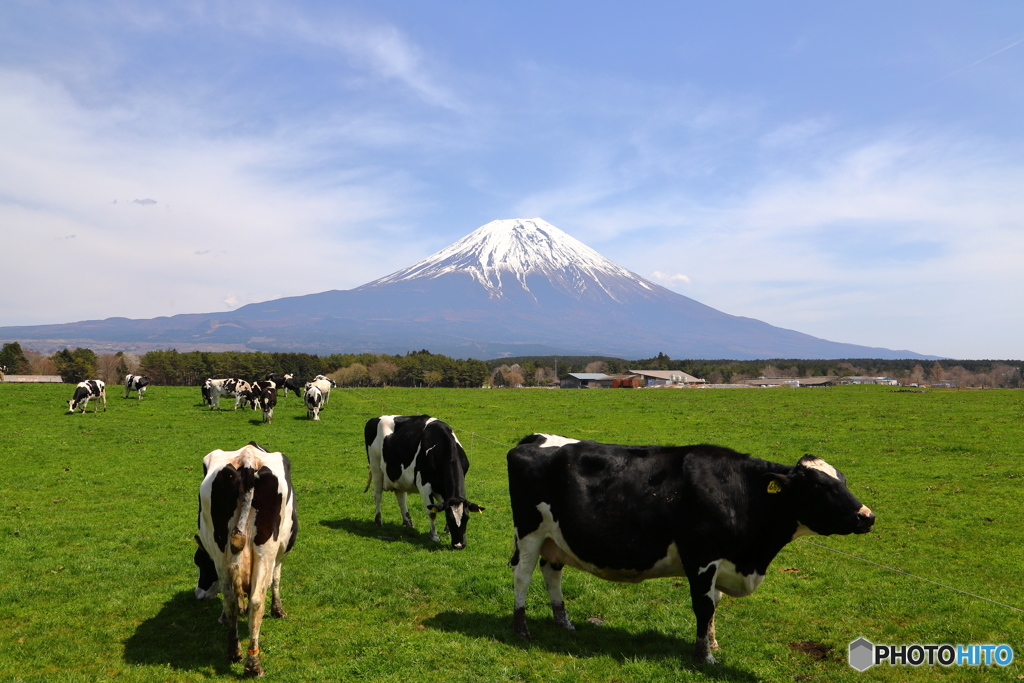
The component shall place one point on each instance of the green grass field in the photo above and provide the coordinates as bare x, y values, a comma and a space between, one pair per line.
97, 515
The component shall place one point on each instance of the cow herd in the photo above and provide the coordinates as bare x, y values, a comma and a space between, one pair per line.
622, 513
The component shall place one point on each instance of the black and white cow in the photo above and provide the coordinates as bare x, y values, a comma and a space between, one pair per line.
631, 513
235, 388
420, 453
264, 397
324, 384
86, 391
207, 390
314, 400
284, 382
136, 383
247, 524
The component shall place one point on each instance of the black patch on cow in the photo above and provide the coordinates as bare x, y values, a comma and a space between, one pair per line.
267, 500
207, 569
224, 494
402, 445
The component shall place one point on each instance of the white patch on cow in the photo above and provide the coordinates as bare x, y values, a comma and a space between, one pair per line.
459, 511
803, 530
821, 466
555, 441
732, 582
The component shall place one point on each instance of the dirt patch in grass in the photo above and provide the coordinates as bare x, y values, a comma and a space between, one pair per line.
816, 651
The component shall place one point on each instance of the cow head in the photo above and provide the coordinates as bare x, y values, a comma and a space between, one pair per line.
819, 497
208, 586
456, 512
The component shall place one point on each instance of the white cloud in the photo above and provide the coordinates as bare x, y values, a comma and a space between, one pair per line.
669, 279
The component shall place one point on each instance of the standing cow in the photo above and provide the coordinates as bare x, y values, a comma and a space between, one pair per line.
247, 524
136, 383
631, 513
86, 391
422, 454
264, 397
314, 400
324, 384
285, 382
235, 388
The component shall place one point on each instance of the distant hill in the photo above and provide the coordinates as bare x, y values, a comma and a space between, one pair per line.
518, 287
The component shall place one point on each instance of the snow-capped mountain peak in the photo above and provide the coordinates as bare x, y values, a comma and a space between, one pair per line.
505, 253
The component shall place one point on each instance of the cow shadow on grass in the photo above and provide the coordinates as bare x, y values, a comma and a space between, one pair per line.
390, 532
588, 640
184, 635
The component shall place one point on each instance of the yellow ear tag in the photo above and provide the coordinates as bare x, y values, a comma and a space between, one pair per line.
773, 486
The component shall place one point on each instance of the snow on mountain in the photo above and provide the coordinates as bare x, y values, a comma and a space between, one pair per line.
504, 253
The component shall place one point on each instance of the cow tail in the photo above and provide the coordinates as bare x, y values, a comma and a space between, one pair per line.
247, 472
369, 480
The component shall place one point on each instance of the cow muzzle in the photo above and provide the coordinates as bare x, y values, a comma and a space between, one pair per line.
865, 520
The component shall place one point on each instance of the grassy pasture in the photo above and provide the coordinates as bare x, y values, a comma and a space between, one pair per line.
97, 514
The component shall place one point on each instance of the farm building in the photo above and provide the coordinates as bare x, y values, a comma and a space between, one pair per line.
827, 381
857, 379
659, 378
583, 380
14, 379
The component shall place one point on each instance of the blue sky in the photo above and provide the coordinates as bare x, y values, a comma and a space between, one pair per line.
849, 170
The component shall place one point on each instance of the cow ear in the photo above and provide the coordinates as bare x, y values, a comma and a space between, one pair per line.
777, 483
436, 507
473, 507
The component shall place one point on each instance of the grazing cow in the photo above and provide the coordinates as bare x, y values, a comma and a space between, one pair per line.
324, 384
264, 397
136, 383
314, 399
420, 453
236, 388
247, 524
85, 391
286, 382
630, 513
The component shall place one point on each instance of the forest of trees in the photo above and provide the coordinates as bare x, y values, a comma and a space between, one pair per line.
425, 369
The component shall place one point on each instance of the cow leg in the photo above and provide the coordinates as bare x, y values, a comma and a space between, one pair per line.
276, 608
552, 572
704, 598
378, 492
229, 617
524, 560
403, 505
428, 499
257, 598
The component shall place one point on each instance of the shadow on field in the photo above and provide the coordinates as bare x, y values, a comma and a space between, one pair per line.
184, 634
587, 641
390, 532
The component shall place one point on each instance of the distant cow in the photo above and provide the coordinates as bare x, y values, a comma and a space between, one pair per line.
247, 524
236, 388
207, 390
86, 391
284, 382
314, 400
136, 383
264, 397
422, 454
324, 384
630, 513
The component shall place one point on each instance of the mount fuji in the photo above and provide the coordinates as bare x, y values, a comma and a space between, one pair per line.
511, 287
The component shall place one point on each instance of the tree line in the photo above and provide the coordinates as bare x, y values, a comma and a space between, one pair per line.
192, 368
426, 369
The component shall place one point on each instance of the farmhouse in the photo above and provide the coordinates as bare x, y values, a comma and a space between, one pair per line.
583, 380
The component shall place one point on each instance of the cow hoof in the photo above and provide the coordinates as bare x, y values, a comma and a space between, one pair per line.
253, 669
235, 656
278, 612
377, 521
519, 624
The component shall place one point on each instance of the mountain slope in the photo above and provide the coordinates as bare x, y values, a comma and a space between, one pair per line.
517, 286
